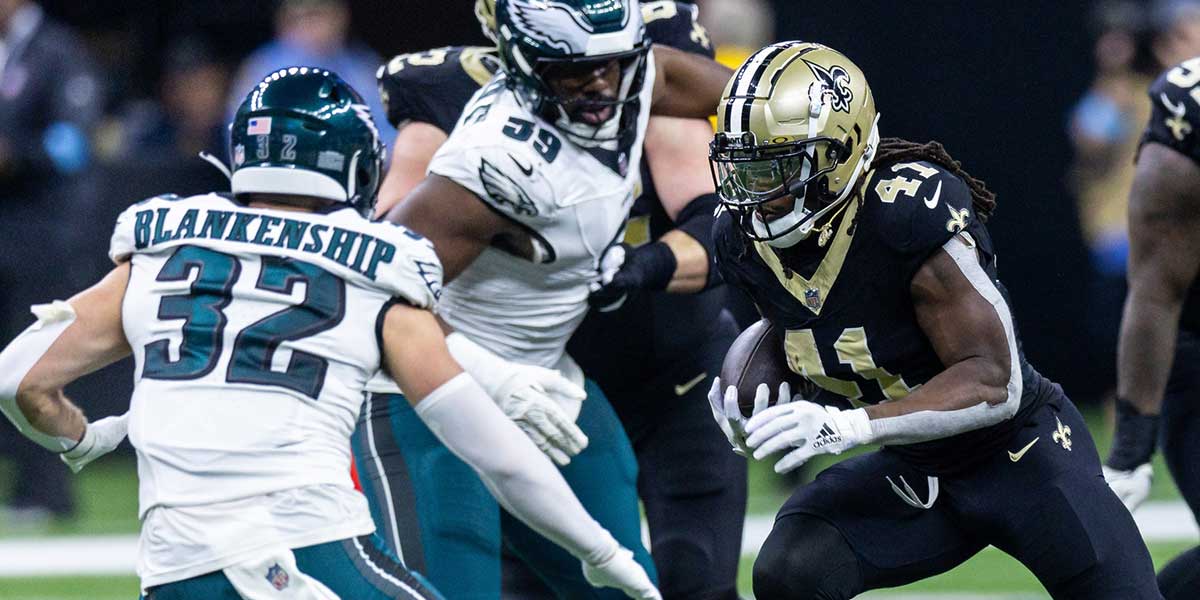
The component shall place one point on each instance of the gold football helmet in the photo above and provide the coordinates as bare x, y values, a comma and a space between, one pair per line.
485, 11
797, 119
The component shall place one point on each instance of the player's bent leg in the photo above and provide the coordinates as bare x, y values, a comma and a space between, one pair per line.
1180, 440
1180, 578
604, 477
430, 509
804, 558
692, 486
849, 531
1180, 421
359, 568
1059, 517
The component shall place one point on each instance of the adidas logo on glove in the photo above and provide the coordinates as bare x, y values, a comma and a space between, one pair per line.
825, 437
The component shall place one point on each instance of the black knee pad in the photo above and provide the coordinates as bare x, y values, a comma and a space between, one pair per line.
806, 558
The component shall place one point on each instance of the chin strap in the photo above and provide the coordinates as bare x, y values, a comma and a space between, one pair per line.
216, 162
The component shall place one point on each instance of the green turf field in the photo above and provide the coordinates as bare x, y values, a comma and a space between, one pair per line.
107, 493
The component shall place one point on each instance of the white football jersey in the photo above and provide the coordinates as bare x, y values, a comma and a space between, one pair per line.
571, 199
254, 332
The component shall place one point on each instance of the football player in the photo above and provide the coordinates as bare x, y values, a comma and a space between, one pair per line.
524, 200
1158, 362
255, 320
873, 258
653, 355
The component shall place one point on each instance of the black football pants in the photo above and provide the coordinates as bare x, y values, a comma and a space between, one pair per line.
1180, 579
850, 530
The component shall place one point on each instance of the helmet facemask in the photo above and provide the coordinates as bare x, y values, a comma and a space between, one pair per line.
749, 176
553, 104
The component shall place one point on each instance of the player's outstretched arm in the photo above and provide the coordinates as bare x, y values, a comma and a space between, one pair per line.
416, 143
460, 413
1164, 257
677, 152
69, 340
687, 84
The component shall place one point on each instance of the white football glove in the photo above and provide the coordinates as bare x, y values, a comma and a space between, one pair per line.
810, 428
729, 417
622, 572
99, 439
534, 397
1132, 487
610, 265
542, 402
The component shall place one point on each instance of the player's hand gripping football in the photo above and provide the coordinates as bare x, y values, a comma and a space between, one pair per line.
809, 428
728, 415
534, 398
99, 439
1132, 487
621, 571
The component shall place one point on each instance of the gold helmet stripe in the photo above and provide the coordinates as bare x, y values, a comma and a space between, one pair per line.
737, 109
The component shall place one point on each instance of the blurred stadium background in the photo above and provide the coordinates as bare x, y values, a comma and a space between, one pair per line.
105, 103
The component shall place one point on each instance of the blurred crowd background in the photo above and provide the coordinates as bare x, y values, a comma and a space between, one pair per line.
105, 103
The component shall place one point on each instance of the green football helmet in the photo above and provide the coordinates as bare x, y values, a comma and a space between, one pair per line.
304, 131
538, 38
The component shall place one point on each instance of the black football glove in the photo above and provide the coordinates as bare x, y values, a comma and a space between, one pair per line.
624, 269
1134, 440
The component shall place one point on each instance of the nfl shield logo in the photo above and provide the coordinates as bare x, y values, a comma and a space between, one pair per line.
812, 298
277, 577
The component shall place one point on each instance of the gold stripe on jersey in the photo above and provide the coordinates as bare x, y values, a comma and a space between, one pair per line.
812, 292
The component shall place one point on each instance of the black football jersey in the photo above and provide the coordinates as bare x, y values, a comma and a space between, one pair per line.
433, 86
1175, 96
847, 308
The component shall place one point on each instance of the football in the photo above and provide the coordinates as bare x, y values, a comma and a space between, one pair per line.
757, 356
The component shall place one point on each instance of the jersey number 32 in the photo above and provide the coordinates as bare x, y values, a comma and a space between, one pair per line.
254, 347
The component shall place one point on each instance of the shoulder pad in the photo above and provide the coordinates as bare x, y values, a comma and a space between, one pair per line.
914, 207
1175, 98
414, 275
124, 242
433, 86
676, 24
504, 172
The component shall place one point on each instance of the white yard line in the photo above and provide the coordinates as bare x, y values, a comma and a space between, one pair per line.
116, 554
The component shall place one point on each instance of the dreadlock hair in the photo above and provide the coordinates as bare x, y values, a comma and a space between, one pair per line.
895, 150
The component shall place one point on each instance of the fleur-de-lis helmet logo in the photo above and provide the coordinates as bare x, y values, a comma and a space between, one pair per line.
835, 83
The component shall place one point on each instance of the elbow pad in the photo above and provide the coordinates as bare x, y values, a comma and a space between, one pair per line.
19, 357
696, 219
